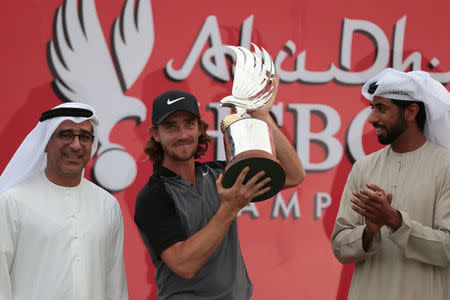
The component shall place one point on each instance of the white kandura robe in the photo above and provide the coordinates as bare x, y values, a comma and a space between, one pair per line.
60, 243
412, 262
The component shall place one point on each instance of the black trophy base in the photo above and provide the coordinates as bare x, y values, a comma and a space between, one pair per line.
262, 162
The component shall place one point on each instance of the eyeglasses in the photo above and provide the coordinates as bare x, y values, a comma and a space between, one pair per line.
67, 137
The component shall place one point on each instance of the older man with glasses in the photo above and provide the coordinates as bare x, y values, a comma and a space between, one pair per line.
61, 236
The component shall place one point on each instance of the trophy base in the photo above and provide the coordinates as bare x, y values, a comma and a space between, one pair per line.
257, 161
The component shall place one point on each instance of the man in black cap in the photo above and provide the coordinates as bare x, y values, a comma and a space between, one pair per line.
186, 218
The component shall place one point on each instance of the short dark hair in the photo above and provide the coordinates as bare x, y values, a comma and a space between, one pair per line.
421, 114
155, 151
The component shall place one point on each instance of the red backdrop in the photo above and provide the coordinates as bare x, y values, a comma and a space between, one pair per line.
324, 51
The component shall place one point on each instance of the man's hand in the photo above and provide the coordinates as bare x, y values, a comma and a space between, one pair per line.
264, 111
239, 195
377, 211
376, 208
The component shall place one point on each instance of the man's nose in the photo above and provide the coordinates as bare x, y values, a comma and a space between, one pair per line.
373, 118
183, 132
75, 144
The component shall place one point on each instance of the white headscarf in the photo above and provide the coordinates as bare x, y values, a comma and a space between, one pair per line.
31, 159
417, 86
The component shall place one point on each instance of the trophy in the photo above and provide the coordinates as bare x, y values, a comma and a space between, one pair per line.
248, 141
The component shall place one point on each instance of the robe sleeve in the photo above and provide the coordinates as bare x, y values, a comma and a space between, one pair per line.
346, 239
430, 245
8, 241
116, 282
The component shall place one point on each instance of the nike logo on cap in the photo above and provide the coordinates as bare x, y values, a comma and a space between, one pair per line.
169, 102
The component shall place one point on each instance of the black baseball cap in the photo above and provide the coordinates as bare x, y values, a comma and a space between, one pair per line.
172, 101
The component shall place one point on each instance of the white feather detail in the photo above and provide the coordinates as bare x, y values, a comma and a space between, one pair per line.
252, 84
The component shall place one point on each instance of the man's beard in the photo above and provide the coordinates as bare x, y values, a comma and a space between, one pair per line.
394, 132
174, 155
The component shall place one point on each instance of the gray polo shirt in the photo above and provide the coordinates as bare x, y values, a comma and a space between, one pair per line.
170, 209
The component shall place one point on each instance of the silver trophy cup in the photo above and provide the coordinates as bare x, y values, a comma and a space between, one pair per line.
248, 141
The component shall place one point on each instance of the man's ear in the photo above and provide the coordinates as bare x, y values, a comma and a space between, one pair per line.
49, 141
411, 112
154, 133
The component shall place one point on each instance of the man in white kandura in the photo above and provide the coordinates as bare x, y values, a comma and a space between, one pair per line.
61, 236
394, 216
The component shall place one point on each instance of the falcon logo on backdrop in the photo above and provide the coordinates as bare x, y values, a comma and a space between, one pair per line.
85, 71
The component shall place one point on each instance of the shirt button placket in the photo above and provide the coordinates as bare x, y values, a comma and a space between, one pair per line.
75, 244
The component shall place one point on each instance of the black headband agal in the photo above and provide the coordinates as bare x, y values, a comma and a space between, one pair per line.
372, 88
66, 112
